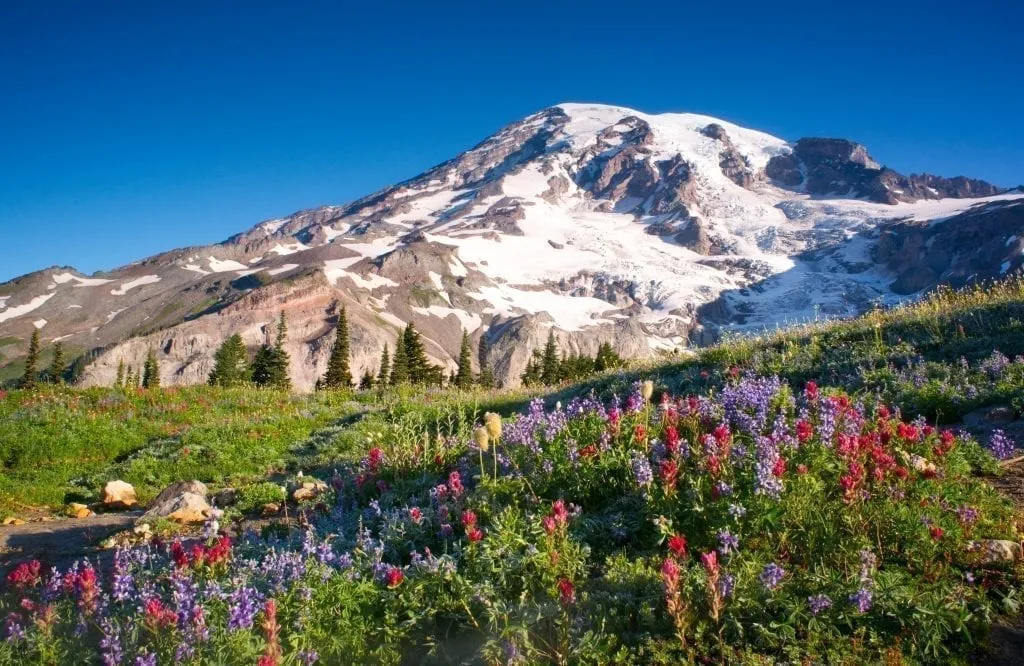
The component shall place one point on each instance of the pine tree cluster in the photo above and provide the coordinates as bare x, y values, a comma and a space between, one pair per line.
549, 367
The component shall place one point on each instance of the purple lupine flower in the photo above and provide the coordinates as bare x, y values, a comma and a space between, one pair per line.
725, 585
767, 457
819, 603
737, 511
728, 542
994, 365
862, 599
1000, 446
642, 471
146, 659
968, 515
14, 631
771, 576
308, 657
243, 605
723, 489
111, 653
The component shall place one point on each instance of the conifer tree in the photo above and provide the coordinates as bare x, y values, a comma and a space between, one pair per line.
366, 382
28, 380
129, 378
57, 366
229, 368
606, 358
420, 370
384, 374
400, 365
277, 361
486, 377
532, 373
261, 366
119, 380
549, 363
464, 378
339, 375
150, 372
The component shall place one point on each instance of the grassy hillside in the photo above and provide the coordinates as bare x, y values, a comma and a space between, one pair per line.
793, 496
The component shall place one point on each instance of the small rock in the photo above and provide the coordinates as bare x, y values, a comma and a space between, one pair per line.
11, 520
76, 510
183, 502
225, 497
999, 414
309, 490
998, 550
119, 495
271, 508
142, 529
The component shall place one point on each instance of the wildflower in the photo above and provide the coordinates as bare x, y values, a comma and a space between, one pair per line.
468, 519
1000, 446
936, 532
862, 599
482, 439
728, 542
243, 604
804, 431
642, 471
492, 422
819, 603
710, 562
25, 575
549, 524
474, 534
647, 389
308, 657
677, 546
811, 391
771, 576
455, 486
668, 471
674, 602
145, 659
156, 616
271, 630
375, 459
725, 586
566, 592
415, 515
394, 577
640, 433
967, 515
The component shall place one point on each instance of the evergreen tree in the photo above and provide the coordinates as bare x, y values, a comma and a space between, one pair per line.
229, 368
338, 373
58, 366
549, 363
400, 365
420, 370
129, 378
262, 374
119, 380
28, 380
366, 382
464, 378
606, 358
486, 377
532, 373
274, 363
384, 375
150, 372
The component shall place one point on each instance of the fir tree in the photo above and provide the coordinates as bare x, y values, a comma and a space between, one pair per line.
58, 366
150, 372
464, 378
129, 378
486, 377
367, 381
549, 363
338, 373
420, 370
400, 364
262, 374
119, 380
606, 358
384, 375
28, 380
276, 362
531, 375
229, 368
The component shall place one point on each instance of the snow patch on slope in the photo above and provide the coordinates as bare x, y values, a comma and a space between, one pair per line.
25, 308
137, 282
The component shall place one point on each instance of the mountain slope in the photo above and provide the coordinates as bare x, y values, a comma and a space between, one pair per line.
648, 231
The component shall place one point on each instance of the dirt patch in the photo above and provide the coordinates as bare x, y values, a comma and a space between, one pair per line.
61, 541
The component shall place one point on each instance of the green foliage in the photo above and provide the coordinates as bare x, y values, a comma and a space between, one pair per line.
58, 366
549, 370
230, 367
30, 377
384, 371
119, 379
464, 377
252, 497
151, 371
338, 374
486, 377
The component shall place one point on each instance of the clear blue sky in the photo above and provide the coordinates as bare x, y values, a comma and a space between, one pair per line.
132, 127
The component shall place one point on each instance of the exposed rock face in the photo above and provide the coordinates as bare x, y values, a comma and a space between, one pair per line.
600, 222
971, 247
842, 167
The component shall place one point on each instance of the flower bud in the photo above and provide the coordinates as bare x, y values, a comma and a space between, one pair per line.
647, 389
492, 422
482, 439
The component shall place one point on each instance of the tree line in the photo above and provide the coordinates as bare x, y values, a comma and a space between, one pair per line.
552, 366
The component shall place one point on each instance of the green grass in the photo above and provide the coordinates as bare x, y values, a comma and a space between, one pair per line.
58, 443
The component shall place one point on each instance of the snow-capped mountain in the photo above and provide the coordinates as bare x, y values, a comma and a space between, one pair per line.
653, 232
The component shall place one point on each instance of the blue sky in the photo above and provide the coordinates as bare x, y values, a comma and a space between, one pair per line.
128, 128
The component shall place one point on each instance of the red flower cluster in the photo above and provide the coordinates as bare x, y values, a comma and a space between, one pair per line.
668, 472
26, 574
566, 592
455, 486
394, 577
156, 616
557, 520
804, 431
473, 533
677, 546
811, 391
375, 459
671, 439
415, 515
199, 555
